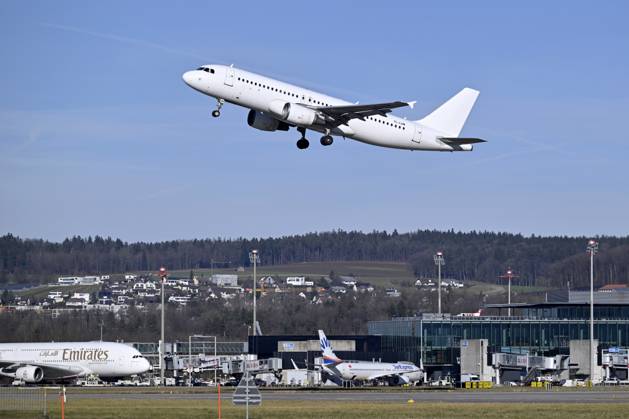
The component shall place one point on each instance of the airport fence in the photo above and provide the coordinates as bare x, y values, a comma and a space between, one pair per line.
26, 399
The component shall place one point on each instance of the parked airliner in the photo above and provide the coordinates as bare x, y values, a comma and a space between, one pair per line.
395, 373
61, 361
275, 105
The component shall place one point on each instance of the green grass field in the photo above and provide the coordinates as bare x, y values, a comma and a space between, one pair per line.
156, 409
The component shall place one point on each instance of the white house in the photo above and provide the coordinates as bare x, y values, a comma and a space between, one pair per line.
89, 280
55, 294
179, 300
76, 302
224, 280
68, 280
85, 296
298, 281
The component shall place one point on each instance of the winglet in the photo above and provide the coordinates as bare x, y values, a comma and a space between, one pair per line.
411, 104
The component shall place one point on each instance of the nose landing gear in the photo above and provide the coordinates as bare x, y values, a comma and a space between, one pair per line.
217, 112
303, 143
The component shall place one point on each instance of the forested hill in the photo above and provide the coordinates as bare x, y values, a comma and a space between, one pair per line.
474, 255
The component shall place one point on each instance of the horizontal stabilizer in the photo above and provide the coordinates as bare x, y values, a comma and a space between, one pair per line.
459, 141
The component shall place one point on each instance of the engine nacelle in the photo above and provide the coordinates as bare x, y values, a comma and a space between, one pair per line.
398, 380
264, 122
30, 374
295, 113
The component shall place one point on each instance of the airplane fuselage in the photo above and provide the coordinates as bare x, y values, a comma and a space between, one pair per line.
259, 93
76, 359
365, 371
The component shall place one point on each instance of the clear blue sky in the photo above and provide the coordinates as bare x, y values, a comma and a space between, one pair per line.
99, 135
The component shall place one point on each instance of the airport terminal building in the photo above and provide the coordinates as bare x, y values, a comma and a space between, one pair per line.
542, 329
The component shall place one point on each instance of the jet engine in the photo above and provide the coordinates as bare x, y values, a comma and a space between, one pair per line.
264, 122
30, 374
295, 113
398, 380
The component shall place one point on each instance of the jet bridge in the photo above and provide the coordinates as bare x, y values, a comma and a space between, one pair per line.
615, 363
525, 368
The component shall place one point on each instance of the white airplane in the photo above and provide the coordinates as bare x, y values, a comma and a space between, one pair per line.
475, 314
60, 361
276, 105
395, 373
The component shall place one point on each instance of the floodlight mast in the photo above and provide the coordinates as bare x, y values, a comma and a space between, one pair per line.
509, 275
592, 249
254, 258
439, 261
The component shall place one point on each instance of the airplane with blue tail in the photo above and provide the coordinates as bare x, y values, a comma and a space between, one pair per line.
397, 373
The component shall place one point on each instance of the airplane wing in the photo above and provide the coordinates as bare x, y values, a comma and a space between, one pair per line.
345, 113
50, 371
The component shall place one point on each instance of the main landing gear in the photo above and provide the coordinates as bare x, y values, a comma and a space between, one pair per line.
302, 144
217, 112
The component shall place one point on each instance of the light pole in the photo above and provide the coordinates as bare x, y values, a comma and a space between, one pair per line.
592, 249
509, 275
254, 258
162, 274
439, 261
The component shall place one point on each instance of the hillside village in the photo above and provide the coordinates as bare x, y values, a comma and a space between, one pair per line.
116, 292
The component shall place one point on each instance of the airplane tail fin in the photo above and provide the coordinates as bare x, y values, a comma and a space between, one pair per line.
450, 117
329, 357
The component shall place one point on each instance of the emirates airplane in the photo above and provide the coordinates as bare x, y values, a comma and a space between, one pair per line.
276, 105
60, 361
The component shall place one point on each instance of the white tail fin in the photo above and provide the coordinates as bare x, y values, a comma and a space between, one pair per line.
329, 357
450, 117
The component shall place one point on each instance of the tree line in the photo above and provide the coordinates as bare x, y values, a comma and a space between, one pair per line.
550, 261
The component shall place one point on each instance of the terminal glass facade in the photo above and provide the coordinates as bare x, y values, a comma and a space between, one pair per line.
543, 330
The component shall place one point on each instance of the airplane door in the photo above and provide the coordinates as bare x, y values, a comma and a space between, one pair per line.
229, 76
417, 134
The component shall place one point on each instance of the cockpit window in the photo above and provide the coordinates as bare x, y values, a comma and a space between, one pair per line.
207, 70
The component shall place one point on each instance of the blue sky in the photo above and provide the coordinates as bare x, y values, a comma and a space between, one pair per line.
99, 135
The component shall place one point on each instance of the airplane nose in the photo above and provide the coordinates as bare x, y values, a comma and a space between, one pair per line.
188, 77
144, 366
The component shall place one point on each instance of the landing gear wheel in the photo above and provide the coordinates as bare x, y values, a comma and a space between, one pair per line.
327, 140
303, 144
216, 113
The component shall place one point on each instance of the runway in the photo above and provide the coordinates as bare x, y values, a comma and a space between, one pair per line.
453, 396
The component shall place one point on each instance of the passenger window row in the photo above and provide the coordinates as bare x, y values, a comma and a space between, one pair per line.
275, 89
391, 124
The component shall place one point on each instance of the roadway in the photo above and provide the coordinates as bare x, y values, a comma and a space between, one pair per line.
453, 396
